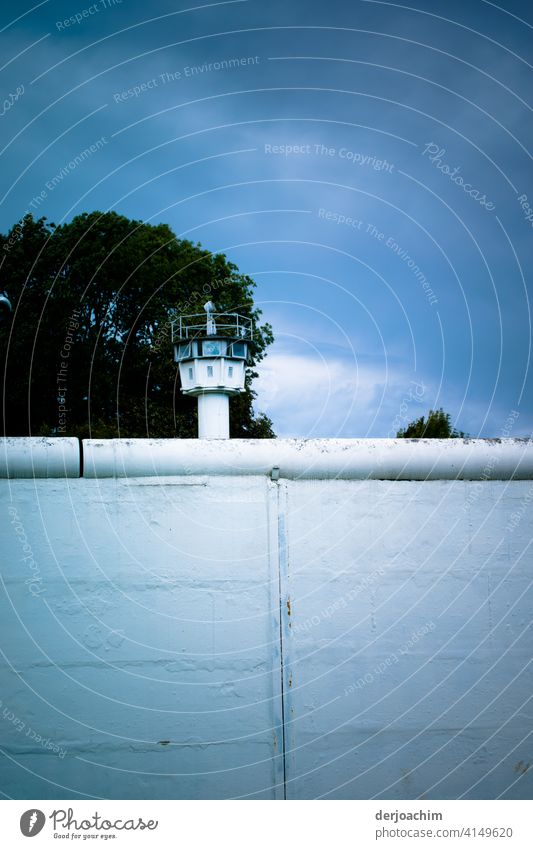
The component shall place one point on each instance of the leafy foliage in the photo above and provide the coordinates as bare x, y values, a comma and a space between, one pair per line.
437, 426
93, 301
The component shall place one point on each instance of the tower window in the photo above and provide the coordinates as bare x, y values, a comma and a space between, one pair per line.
212, 349
184, 351
230, 371
190, 374
210, 371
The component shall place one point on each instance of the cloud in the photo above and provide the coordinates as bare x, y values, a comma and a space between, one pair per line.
309, 396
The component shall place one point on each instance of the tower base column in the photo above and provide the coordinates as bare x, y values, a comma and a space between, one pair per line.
213, 416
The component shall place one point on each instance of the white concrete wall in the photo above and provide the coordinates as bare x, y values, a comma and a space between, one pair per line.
410, 647
149, 618
155, 632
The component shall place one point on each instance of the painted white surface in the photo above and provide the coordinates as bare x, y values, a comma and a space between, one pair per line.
136, 611
211, 373
394, 459
213, 416
151, 619
39, 457
410, 646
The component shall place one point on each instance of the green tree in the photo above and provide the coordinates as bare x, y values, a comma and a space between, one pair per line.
437, 426
93, 302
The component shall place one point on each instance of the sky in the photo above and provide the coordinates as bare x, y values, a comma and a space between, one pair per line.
366, 162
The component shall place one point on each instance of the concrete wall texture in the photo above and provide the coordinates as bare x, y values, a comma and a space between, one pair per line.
225, 634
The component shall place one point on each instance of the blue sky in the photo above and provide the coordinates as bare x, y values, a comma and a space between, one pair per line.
367, 163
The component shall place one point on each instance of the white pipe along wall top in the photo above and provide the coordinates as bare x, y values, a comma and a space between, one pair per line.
348, 459
345, 459
40, 457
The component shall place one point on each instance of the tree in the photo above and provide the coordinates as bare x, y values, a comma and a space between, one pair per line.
437, 426
88, 351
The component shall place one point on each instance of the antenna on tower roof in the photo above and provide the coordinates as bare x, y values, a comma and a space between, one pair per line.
209, 307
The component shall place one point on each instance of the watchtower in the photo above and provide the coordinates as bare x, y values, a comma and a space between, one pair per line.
212, 353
